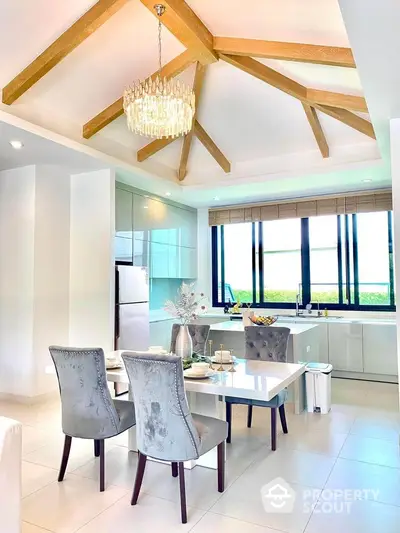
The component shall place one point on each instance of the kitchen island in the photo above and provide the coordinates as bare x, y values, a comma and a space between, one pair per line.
304, 346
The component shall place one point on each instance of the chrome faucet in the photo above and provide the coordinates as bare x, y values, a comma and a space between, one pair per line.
298, 312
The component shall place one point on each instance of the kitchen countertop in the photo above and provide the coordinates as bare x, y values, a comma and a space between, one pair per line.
236, 326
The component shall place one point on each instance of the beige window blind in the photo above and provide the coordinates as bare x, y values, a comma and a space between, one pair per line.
311, 207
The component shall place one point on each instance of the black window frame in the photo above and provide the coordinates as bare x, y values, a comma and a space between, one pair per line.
345, 269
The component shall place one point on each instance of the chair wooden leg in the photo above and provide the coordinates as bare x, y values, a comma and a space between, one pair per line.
65, 456
139, 478
97, 448
273, 428
282, 415
183, 492
229, 420
221, 466
249, 415
174, 469
102, 465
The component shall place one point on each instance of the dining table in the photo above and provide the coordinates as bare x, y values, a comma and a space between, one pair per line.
249, 379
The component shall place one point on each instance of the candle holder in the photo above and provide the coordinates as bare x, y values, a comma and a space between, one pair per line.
210, 343
220, 368
232, 368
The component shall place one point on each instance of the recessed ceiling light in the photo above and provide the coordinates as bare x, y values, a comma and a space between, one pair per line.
145, 207
167, 194
367, 180
17, 145
216, 198
146, 196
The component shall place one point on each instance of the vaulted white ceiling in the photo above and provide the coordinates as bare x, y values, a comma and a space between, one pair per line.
263, 132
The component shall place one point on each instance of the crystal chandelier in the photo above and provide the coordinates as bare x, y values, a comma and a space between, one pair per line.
159, 107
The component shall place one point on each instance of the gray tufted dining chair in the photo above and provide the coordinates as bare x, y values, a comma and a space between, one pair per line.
264, 344
165, 428
87, 409
199, 334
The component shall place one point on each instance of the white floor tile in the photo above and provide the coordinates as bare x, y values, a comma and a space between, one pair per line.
376, 427
35, 477
321, 442
379, 483
364, 517
149, 515
65, 507
375, 451
213, 523
243, 501
29, 528
34, 438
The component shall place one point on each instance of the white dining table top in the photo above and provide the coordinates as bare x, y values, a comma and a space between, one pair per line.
238, 327
254, 380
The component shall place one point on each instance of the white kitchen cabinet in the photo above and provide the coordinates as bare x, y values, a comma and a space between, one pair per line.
346, 347
187, 263
380, 349
123, 213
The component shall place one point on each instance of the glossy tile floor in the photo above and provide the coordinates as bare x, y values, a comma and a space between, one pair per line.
344, 469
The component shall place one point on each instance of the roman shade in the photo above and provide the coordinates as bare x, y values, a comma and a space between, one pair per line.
303, 208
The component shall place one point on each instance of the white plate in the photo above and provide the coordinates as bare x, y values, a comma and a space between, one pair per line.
188, 374
215, 359
113, 366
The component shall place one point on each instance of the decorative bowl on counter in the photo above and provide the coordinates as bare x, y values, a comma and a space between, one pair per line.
263, 320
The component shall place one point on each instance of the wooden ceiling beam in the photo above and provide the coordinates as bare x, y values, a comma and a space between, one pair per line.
153, 147
212, 148
317, 129
115, 110
183, 22
187, 141
95, 17
307, 53
343, 101
348, 118
291, 87
268, 75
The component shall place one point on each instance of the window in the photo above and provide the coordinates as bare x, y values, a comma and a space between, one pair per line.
339, 262
281, 260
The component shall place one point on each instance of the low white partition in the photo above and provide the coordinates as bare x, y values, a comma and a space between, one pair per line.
10, 475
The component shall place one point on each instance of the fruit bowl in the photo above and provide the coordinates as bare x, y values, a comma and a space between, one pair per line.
263, 320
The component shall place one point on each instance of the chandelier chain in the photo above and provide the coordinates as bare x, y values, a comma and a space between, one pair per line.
159, 47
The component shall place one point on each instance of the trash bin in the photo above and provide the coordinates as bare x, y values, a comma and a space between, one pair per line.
318, 387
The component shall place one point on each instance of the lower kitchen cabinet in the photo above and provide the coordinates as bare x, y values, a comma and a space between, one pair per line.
346, 347
380, 349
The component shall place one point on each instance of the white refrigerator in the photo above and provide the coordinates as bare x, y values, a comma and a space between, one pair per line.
132, 329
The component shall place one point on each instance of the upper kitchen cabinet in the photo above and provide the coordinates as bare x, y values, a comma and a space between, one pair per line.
123, 213
156, 221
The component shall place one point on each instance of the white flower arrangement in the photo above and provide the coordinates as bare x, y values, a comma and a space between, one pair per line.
188, 304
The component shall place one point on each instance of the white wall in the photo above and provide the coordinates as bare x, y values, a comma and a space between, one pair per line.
17, 214
204, 254
51, 269
395, 161
56, 270
92, 259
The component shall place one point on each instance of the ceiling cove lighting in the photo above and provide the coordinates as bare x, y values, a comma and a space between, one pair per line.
167, 194
159, 107
17, 145
368, 180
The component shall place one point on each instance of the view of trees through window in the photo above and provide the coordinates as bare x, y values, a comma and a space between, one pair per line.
340, 261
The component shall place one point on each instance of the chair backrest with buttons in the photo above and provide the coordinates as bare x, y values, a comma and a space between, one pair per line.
266, 343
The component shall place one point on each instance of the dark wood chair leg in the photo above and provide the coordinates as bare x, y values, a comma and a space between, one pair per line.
183, 492
102, 465
249, 415
139, 478
65, 456
221, 466
229, 420
273, 428
97, 448
174, 469
282, 415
